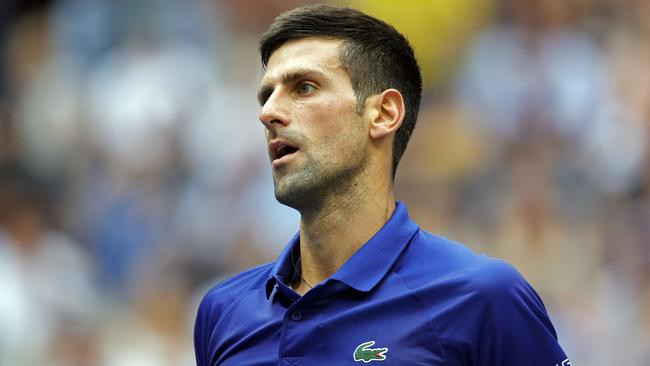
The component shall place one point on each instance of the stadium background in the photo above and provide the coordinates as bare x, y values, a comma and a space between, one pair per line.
133, 171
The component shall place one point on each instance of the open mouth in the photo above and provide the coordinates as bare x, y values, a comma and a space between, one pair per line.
280, 149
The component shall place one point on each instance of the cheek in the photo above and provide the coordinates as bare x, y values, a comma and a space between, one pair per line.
335, 117
342, 137
331, 124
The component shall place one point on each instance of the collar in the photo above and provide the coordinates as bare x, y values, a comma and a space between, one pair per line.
368, 265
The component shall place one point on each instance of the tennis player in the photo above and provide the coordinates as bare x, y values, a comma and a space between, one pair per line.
360, 282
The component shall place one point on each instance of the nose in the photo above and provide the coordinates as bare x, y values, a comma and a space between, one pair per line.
274, 112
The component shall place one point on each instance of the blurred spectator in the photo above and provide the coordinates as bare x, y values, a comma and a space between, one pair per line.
46, 278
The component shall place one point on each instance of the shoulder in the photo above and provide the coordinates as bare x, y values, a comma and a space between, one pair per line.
223, 294
494, 278
431, 257
468, 295
217, 301
436, 262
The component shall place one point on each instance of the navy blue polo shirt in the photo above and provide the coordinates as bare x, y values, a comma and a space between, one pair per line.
405, 298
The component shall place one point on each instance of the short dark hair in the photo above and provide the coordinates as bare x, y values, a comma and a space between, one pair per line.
376, 56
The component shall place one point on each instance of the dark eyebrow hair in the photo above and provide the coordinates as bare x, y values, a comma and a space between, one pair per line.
292, 76
264, 93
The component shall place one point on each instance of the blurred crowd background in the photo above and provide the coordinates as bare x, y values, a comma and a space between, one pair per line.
134, 175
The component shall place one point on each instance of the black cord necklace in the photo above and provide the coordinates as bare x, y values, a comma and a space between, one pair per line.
297, 270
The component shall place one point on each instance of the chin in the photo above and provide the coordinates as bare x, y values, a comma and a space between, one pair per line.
308, 189
292, 196
299, 194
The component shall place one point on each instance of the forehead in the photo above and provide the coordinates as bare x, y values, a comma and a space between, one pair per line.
319, 54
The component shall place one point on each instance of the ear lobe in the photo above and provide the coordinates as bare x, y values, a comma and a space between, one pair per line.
388, 114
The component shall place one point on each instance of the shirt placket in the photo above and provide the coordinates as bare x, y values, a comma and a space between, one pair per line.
291, 325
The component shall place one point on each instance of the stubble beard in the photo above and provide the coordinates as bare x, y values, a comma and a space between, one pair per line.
315, 184
322, 180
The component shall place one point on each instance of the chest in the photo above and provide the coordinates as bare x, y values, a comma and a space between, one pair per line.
347, 329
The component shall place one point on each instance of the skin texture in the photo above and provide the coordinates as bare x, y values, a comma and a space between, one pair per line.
313, 109
340, 177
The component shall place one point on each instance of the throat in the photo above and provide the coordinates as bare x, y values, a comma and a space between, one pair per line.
328, 241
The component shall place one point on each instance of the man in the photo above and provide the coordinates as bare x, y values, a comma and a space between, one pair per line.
360, 282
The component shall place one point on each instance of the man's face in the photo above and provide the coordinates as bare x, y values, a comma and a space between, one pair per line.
316, 139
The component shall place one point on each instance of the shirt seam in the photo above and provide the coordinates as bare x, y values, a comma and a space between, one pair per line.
414, 294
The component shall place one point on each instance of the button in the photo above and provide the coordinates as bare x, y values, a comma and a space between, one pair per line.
296, 316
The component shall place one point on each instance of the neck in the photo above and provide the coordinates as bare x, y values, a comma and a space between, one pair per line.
332, 233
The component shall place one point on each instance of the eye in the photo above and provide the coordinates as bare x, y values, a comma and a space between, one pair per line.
305, 89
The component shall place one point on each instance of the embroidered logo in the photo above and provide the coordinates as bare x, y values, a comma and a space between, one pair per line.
364, 353
564, 363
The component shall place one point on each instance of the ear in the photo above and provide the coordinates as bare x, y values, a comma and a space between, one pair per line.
386, 111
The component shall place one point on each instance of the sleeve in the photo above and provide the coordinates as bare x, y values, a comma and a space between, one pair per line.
203, 329
513, 327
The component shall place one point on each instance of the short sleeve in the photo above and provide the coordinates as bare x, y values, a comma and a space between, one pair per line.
514, 326
203, 328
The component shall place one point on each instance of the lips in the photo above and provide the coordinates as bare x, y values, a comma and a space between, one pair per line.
279, 149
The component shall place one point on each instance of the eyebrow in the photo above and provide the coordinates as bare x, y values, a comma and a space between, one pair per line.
287, 78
